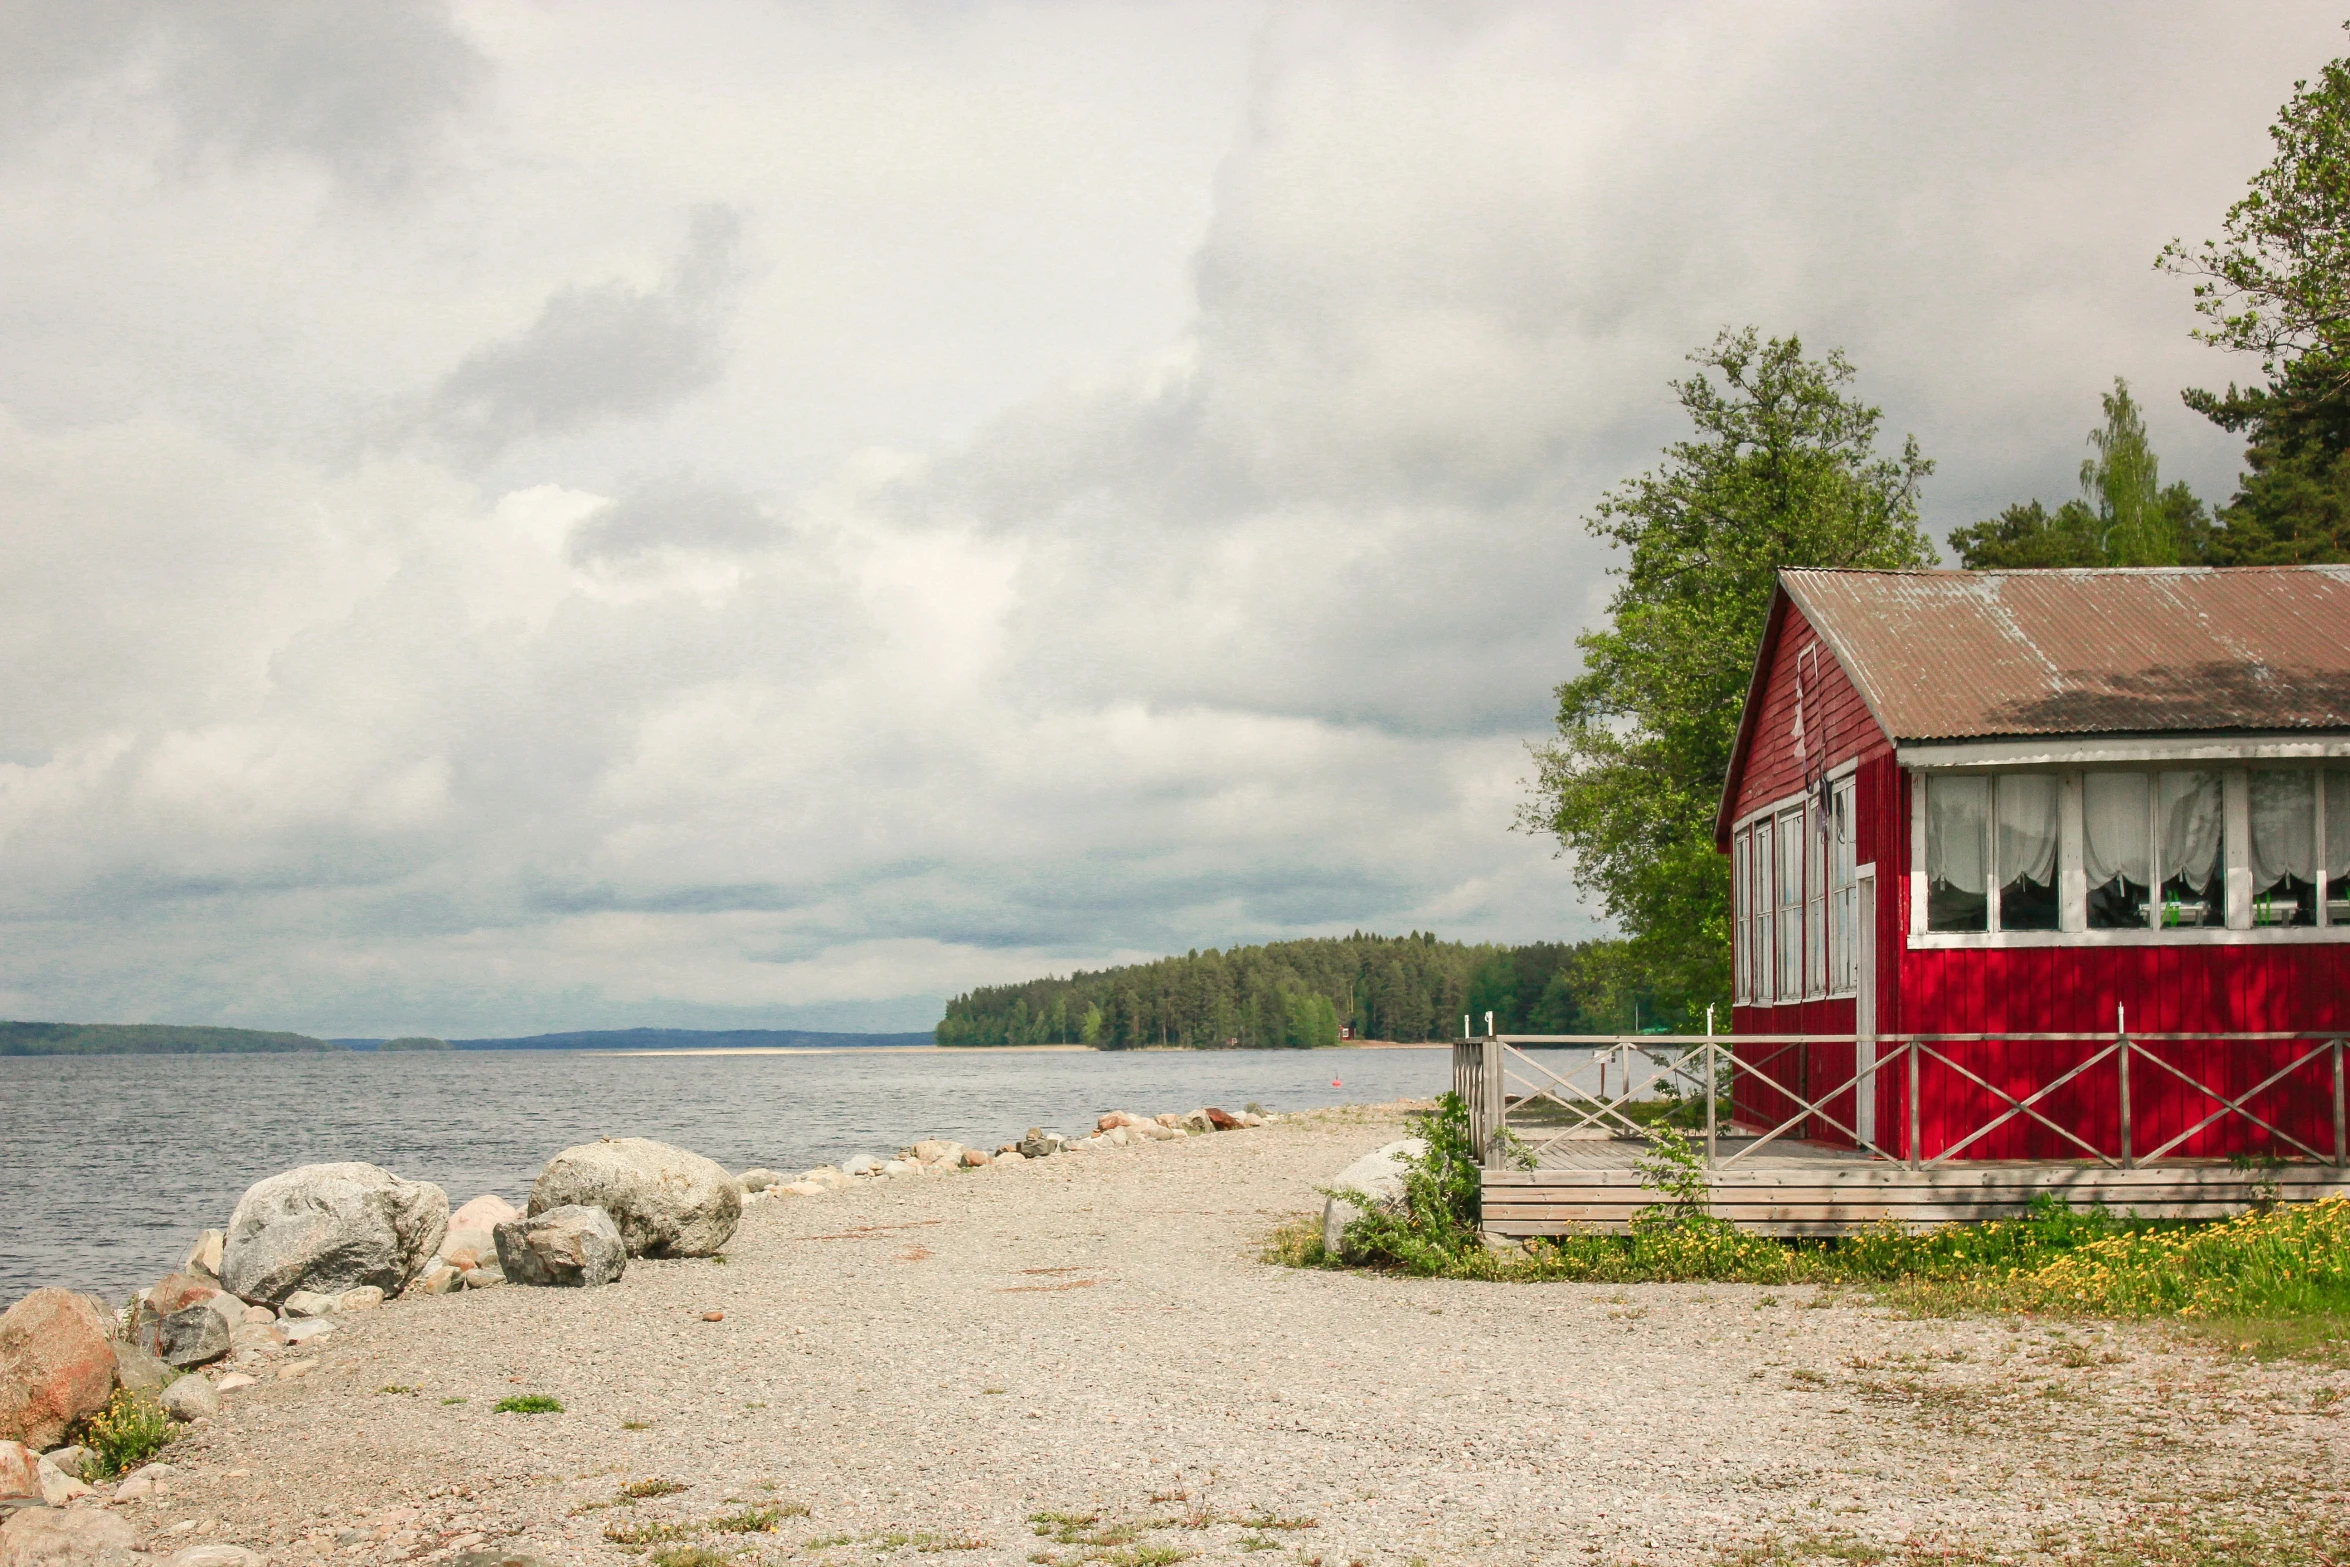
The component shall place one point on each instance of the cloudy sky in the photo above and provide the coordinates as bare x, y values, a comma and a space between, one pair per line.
520, 516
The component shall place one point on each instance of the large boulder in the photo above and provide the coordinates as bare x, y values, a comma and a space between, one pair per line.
571, 1245
330, 1228
191, 1336
20, 1478
1377, 1175
67, 1537
56, 1365
191, 1398
666, 1201
472, 1238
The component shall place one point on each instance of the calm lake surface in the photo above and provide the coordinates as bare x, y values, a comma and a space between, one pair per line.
110, 1165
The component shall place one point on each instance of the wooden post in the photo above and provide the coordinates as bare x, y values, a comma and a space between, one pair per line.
1713, 1069
2129, 1160
2341, 1123
1914, 1120
1496, 1104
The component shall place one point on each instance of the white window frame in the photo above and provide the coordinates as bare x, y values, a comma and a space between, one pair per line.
2072, 882
1843, 889
1763, 928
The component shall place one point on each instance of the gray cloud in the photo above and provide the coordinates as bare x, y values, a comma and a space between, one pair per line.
672, 513
361, 89
600, 352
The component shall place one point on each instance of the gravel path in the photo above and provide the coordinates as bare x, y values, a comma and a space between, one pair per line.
925, 1364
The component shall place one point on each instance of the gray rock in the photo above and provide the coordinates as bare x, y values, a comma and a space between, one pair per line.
309, 1303
1041, 1144
190, 1398
260, 1338
365, 1298
484, 1278
304, 1329
758, 1180
74, 1461
441, 1279
665, 1201
67, 1537
191, 1336
137, 1370
216, 1556
491, 1558
937, 1150
58, 1487
1377, 1175
572, 1245
331, 1228
860, 1164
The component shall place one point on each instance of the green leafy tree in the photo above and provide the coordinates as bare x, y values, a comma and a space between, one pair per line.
2125, 515
1783, 470
2276, 284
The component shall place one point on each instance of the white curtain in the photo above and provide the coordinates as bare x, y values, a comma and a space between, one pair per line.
1956, 812
2190, 811
2027, 828
2284, 827
2113, 819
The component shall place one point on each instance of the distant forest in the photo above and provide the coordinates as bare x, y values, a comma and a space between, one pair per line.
1299, 994
145, 1039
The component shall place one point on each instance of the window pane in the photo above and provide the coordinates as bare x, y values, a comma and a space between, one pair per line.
1957, 888
2284, 847
2191, 821
2027, 851
1765, 986
1791, 906
2337, 866
2114, 849
1741, 917
1816, 830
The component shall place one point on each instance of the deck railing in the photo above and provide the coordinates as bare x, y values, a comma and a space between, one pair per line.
1615, 1090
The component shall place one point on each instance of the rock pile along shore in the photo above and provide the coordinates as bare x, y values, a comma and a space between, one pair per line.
307, 1249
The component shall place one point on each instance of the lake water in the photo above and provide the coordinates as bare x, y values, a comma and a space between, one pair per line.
110, 1165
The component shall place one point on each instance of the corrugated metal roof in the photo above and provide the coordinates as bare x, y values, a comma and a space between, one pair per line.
1964, 654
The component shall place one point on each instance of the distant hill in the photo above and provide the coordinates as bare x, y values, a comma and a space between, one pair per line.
145, 1039
676, 1039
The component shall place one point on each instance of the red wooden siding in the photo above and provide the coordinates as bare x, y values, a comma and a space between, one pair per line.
2243, 987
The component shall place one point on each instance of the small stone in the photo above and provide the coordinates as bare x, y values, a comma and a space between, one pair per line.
484, 1278
439, 1279
309, 1303
216, 1556
860, 1164
58, 1487
190, 1398
259, 1338
713, 1316
896, 1167
805, 1188
976, 1158
365, 1298
1198, 1121
937, 1150
1250, 1118
74, 1461
305, 1329
233, 1381
67, 1537
296, 1369
493, 1557
473, 1230
191, 1336
20, 1476
137, 1370
259, 1314
1171, 1121
1221, 1120
758, 1180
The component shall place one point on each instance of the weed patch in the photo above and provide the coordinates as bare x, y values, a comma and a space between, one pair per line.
640, 1490
129, 1431
529, 1404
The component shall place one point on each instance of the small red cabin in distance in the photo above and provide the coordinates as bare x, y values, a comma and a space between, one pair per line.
2047, 802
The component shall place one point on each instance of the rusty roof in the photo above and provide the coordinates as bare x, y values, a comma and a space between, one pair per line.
1944, 655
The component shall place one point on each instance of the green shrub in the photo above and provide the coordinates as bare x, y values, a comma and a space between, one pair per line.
129, 1431
1434, 1230
529, 1404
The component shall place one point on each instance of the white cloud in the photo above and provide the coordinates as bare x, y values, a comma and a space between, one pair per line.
1133, 501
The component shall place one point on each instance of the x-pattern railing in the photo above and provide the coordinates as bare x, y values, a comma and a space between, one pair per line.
1692, 1067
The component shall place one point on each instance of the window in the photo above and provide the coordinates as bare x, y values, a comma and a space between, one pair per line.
1843, 891
2283, 811
2116, 856
1759, 879
1816, 849
2334, 800
2024, 854
1741, 917
2190, 849
1790, 932
1957, 853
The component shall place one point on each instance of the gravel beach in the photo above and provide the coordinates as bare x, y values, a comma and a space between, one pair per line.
929, 1365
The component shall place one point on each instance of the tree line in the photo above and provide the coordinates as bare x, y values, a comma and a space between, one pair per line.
1782, 469
1301, 994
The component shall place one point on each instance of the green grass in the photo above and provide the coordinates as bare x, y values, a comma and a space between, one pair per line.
639, 1490
2287, 1263
690, 1556
529, 1404
757, 1520
129, 1431
456, 1400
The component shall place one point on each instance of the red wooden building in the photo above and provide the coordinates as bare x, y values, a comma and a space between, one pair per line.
2048, 802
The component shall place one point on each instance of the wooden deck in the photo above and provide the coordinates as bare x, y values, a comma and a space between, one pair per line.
1796, 1189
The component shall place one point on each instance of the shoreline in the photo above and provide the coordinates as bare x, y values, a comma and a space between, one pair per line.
980, 1050
996, 1366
